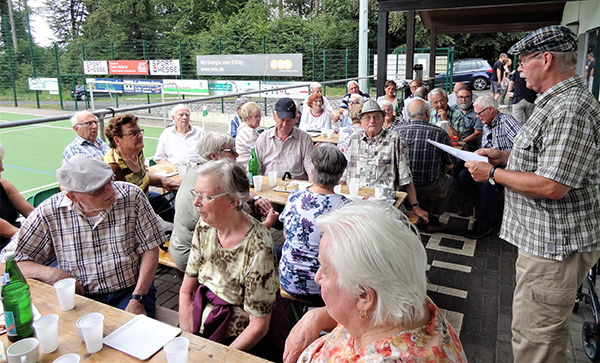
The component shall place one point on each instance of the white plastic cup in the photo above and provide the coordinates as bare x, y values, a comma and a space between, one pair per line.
182, 168
329, 133
257, 182
272, 178
78, 326
65, 290
323, 132
337, 189
353, 189
24, 351
176, 350
68, 358
46, 330
444, 125
92, 328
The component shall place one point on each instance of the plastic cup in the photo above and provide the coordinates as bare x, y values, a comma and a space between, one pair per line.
337, 189
272, 178
177, 350
182, 168
353, 189
65, 290
78, 325
323, 132
257, 182
329, 133
24, 351
46, 330
68, 358
92, 328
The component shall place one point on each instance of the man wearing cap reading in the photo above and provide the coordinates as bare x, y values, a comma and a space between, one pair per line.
285, 148
102, 233
86, 142
552, 208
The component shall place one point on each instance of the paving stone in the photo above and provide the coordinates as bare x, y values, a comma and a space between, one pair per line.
504, 352
484, 355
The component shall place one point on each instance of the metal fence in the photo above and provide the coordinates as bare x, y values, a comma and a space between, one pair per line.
23, 59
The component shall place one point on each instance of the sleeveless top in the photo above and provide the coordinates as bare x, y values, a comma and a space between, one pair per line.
8, 212
123, 173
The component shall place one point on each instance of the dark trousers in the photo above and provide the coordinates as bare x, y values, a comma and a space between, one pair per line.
120, 299
482, 195
434, 196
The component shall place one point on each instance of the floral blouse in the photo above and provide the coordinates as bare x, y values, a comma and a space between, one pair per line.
434, 342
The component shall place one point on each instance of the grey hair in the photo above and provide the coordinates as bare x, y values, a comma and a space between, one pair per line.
565, 61
421, 111
212, 143
315, 85
421, 92
75, 117
350, 82
486, 101
240, 102
247, 109
358, 98
2, 152
329, 165
385, 103
232, 179
374, 247
437, 91
176, 108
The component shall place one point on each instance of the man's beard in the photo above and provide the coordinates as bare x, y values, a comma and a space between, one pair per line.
465, 106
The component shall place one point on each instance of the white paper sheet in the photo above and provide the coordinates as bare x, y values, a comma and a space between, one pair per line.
461, 154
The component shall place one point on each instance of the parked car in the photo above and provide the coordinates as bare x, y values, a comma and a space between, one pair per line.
474, 72
81, 94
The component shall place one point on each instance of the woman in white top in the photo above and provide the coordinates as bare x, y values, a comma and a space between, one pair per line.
316, 118
246, 134
390, 95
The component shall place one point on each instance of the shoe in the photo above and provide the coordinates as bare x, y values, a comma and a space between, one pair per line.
462, 210
479, 231
432, 228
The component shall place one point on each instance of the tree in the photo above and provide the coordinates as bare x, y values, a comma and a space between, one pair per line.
66, 19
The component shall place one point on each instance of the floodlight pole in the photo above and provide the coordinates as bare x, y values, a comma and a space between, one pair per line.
363, 43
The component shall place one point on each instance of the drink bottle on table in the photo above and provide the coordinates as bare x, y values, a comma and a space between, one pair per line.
16, 300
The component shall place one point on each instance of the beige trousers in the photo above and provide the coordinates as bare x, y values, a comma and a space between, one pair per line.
542, 305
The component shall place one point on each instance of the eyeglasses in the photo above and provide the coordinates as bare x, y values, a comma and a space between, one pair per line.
204, 198
232, 151
352, 102
102, 189
134, 133
480, 112
521, 62
376, 117
463, 97
88, 123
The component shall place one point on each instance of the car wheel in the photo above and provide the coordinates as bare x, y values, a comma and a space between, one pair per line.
479, 83
82, 97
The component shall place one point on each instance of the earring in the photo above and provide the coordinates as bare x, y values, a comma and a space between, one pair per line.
362, 314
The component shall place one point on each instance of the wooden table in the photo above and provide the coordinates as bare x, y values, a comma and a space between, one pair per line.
157, 168
45, 300
276, 197
334, 138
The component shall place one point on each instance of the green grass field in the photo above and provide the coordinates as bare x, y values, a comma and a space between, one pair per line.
34, 152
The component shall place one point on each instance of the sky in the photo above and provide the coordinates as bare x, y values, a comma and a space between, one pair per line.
42, 34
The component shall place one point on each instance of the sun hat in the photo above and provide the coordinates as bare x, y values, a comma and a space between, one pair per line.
285, 108
370, 106
83, 174
554, 38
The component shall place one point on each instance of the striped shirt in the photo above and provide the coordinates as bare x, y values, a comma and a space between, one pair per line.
501, 132
561, 142
86, 147
103, 255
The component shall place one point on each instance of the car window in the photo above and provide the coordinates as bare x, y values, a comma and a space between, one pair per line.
465, 66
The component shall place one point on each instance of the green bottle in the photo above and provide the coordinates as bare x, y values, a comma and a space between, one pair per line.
16, 301
253, 167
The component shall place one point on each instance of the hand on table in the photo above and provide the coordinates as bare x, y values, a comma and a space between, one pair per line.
170, 183
423, 215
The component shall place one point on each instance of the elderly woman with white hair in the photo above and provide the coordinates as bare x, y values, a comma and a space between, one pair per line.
372, 279
213, 146
246, 133
353, 100
231, 282
11, 204
390, 121
178, 144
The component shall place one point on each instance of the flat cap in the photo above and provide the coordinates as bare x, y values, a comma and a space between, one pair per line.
554, 38
370, 106
83, 174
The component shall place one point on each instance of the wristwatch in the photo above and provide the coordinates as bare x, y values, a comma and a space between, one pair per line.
140, 298
256, 197
491, 179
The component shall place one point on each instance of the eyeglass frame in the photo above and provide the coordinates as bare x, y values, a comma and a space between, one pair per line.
478, 114
87, 123
521, 62
98, 192
232, 151
134, 133
197, 195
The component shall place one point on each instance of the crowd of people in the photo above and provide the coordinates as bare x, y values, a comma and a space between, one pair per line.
360, 264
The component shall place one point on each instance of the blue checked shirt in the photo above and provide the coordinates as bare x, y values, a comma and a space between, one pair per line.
501, 132
83, 146
561, 141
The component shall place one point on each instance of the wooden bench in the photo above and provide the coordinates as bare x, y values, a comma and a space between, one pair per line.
164, 257
167, 316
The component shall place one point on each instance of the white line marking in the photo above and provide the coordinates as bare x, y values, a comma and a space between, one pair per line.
42, 187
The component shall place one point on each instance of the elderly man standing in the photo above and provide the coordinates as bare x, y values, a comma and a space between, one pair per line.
552, 209
285, 148
102, 233
380, 156
352, 89
429, 164
86, 142
179, 144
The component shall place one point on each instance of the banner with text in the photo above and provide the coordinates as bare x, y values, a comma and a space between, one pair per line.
284, 65
194, 87
164, 67
43, 84
128, 67
222, 88
95, 67
300, 92
130, 86
108, 85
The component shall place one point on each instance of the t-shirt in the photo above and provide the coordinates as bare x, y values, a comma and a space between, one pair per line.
498, 65
591, 66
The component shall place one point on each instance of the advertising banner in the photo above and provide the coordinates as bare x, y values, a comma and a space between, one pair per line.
128, 67
130, 86
164, 67
221, 88
43, 84
109, 84
284, 65
95, 67
300, 92
193, 87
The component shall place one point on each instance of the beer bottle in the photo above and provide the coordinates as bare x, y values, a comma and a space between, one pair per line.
16, 301
253, 167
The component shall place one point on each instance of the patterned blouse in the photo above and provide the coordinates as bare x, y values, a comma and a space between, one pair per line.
435, 342
299, 263
245, 275
123, 173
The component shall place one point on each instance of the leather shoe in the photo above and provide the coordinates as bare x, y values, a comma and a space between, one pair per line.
432, 228
479, 231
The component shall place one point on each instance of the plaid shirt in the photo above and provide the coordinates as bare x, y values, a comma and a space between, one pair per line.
466, 123
382, 159
426, 160
103, 255
560, 142
500, 134
82, 146
452, 113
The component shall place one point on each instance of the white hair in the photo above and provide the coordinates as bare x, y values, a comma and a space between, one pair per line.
75, 117
176, 108
315, 85
231, 177
374, 247
565, 61
358, 98
212, 143
383, 103
437, 91
420, 111
349, 83
486, 101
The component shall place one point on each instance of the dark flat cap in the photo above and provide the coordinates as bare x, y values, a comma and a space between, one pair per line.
554, 38
285, 108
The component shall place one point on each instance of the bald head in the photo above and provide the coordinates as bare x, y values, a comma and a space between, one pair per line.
458, 86
418, 110
421, 92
